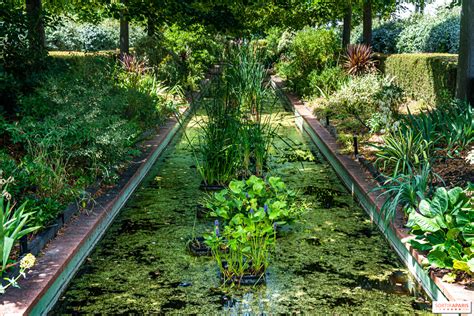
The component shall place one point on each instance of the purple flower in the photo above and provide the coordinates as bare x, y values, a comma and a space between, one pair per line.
275, 226
251, 211
216, 222
217, 231
247, 195
265, 208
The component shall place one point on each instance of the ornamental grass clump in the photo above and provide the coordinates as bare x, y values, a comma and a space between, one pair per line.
244, 234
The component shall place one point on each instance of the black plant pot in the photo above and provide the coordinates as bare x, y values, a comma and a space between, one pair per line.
210, 187
202, 211
246, 279
198, 248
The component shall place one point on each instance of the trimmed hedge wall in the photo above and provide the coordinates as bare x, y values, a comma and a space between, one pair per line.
428, 77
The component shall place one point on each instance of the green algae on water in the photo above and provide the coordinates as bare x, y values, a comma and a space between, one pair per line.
334, 260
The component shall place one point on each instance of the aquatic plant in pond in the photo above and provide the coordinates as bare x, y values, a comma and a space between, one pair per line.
242, 247
250, 211
268, 198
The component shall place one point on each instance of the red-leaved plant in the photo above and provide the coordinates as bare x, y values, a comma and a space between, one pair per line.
133, 64
359, 60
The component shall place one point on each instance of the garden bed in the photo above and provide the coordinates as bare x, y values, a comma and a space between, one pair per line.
362, 185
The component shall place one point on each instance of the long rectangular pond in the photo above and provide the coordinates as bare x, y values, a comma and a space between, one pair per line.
334, 260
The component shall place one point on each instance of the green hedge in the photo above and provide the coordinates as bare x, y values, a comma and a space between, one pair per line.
428, 77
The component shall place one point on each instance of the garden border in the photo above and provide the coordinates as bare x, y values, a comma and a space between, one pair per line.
64, 254
361, 185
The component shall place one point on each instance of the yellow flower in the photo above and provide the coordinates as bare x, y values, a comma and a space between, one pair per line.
27, 262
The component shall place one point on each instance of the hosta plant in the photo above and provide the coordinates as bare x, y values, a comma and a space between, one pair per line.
359, 60
444, 227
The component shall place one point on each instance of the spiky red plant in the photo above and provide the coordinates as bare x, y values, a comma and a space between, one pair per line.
359, 59
133, 64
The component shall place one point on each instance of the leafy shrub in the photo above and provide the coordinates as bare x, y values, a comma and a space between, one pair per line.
444, 226
311, 49
329, 80
72, 35
384, 35
81, 122
272, 40
428, 77
419, 33
359, 60
363, 96
180, 57
439, 34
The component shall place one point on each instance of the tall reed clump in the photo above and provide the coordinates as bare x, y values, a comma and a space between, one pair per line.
246, 75
237, 132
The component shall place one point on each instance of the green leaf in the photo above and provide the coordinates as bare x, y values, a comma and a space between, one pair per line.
439, 204
7, 248
236, 186
425, 208
438, 259
460, 265
424, 223
454, 194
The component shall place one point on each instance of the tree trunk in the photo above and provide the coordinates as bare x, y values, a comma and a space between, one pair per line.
346, 30
124, 36
465, 76
36, 35
367, 22
150, 26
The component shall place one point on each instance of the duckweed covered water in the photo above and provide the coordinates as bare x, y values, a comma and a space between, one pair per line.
333, 261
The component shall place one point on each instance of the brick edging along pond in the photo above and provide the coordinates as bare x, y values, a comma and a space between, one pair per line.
64, 254
361, 183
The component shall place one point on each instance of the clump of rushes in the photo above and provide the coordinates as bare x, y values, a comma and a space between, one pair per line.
359, 60
244, 235
236, 135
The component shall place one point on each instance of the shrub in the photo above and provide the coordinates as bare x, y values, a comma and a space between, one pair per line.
180, 57
363, 96
272, 50
80, 123
428, 77
417, 34
310, 50
438, 34
384, 35
72, 35
327, 81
